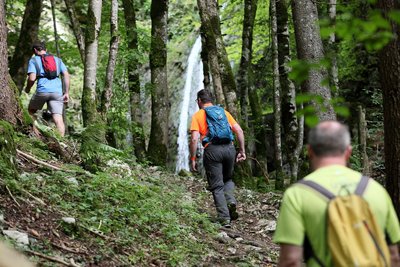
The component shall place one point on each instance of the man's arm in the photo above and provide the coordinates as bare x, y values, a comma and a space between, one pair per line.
240, 136
394, 256
66, 85
30, 82
290, 256
195, 135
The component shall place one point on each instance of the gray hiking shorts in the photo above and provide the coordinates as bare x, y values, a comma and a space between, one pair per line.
55, 102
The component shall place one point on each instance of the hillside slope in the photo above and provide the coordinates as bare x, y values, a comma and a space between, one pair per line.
127, 215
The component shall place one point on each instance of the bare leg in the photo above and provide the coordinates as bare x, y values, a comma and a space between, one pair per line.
58, 120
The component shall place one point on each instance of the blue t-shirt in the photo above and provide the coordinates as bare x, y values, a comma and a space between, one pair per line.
45, 85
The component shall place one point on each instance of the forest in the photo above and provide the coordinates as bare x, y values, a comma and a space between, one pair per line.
117, 188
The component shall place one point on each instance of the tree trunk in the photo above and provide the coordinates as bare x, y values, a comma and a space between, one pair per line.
23, 50
362, 138
294, 163
76, 28
289, 119
112, 59
389, 69
225, 70
309, 48
211, 48
279, 180
158, 143
204, 59
89, 111
134, 81
10, 109
250, 10
333, 71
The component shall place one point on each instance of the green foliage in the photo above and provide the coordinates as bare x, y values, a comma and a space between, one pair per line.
138, 211
7, 151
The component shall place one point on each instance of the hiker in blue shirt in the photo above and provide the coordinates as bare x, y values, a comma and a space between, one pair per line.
49, 86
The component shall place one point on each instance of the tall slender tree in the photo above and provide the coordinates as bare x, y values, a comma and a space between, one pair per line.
89, 110
204, 59
210, 45
245, 69
289, 120
389, 69
225, 69
333, 70
134, 80
112, 59
279, 182
27, 35
10, 110
309, 48
76, 28
158, 143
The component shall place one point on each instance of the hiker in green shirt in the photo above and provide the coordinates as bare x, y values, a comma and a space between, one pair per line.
302, 224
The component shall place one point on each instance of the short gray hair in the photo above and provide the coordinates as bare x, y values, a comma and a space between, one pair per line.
329, 138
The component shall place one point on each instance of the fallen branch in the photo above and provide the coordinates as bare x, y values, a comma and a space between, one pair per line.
27, 156
32, 196
261, 167
95, 232
13, 198
52, 258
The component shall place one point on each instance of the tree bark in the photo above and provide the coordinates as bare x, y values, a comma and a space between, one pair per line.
204, 59
244, 73
225, 70
309, 48
389, 70
211, 48
279, 180
134, 81
89, 111
76, 28
362, 138
289, 119
333, 71
23, 50
158, 143
10, 109
112, 59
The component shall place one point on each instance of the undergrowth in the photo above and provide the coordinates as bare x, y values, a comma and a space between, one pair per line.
146, 213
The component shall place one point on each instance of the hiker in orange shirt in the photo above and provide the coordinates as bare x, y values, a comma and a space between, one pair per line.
213, 126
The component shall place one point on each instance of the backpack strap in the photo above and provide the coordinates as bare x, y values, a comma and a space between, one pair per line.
362, 185
37, 67
320, 189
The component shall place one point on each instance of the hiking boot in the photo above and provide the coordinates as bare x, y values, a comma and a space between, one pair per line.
226, 224
232, 211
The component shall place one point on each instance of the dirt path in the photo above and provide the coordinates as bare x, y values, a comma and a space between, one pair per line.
249, 241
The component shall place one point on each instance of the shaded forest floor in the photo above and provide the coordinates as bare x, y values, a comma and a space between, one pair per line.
129, 215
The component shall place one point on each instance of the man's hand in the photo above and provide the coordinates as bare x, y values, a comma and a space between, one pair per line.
241, 156
66, 97
194, 165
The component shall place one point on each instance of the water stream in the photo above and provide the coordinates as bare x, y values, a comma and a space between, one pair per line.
193, 83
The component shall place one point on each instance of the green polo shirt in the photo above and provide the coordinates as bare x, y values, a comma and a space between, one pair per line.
303, 210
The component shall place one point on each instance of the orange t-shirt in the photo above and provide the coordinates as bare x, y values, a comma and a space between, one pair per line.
199, 121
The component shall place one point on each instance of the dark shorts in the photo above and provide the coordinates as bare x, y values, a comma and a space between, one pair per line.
55, 102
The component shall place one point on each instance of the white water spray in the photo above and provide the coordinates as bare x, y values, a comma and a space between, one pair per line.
194, 78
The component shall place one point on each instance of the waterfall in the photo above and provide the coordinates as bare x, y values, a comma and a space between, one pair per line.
194, 80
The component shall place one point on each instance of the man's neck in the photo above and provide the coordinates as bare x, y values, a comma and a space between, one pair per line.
328, 161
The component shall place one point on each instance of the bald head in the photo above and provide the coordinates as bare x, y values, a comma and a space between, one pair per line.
329, 138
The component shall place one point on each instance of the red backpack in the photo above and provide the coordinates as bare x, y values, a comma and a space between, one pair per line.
50, 66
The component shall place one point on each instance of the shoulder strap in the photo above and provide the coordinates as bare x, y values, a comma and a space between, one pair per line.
362, 185
320, 189
36, 66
